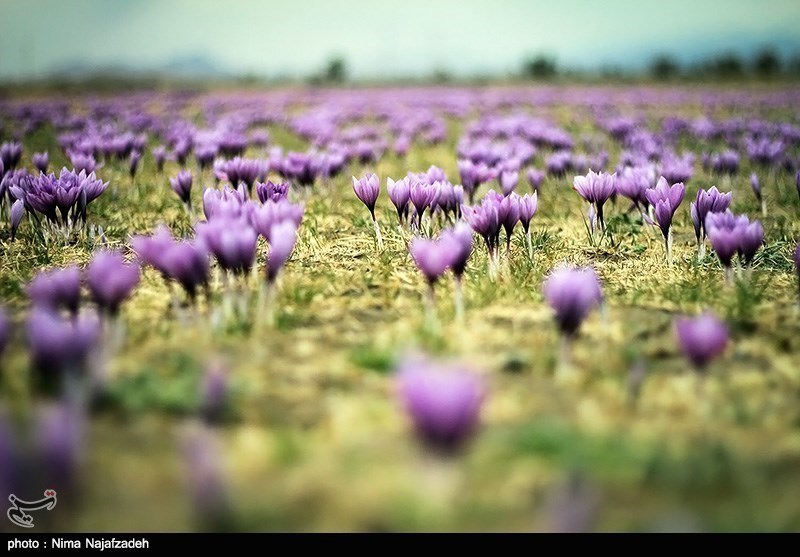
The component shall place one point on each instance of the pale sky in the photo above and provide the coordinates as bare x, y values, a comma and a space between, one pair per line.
382, 38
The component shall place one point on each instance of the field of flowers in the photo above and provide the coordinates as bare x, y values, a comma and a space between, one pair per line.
544, 308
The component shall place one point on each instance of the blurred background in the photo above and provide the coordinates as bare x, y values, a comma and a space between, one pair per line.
316, 41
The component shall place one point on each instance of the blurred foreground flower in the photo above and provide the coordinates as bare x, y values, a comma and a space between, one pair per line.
443, 401
701, 338
110, 280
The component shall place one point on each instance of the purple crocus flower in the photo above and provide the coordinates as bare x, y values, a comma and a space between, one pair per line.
160, 156
270, 191
485, 220
283, 236
133, 162
509, 181
459, 240
432, 257
665, 200
10, 154
508, 213
182, 185
151, 249
572, 293
59, 346
725, 232
633, 183
400, 195
596, 188
711, 201
701, 339
232, 242
442, 401
56, 289
528, 204
110, 280
750, 241
535, 178
263, 218
82, 162
246, 171
41, 161
17, 212
368, 189
187, 263
756, 185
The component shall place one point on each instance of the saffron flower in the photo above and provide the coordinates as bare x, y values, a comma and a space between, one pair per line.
711, 201
56, 289
232, 242
182, 185
59, 347
17, 212
269, 191
159, 156
572, 293
110, 280
596, 189
665, 200
368, 189
756, 185
509, 181
535, 178
41, 161
282, 238
528, 204
400, 195
459, 239
443, 402
701, 338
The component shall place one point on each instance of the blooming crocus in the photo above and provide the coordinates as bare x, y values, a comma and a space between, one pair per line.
756, 185
186, 263
711, 201
633, 182
133, 163
245, 171
508, 181
263, 218
17, 212
433, 257
160, 156
10, 154
459, 239
110, 280
572, 293
56, 289
232, 243
270, 191
701, 339
725, 234
443, 402
750, 240
82, 162
485, 220
182, 185
368, 189
41, 161
535, 178
58, 346
596, 188
508, 213
665, 200
528, 204
282, 238
400, 195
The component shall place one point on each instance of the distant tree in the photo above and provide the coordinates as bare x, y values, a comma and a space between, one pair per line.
727, 65
540, 67
767, 63
664, 67
336, 71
